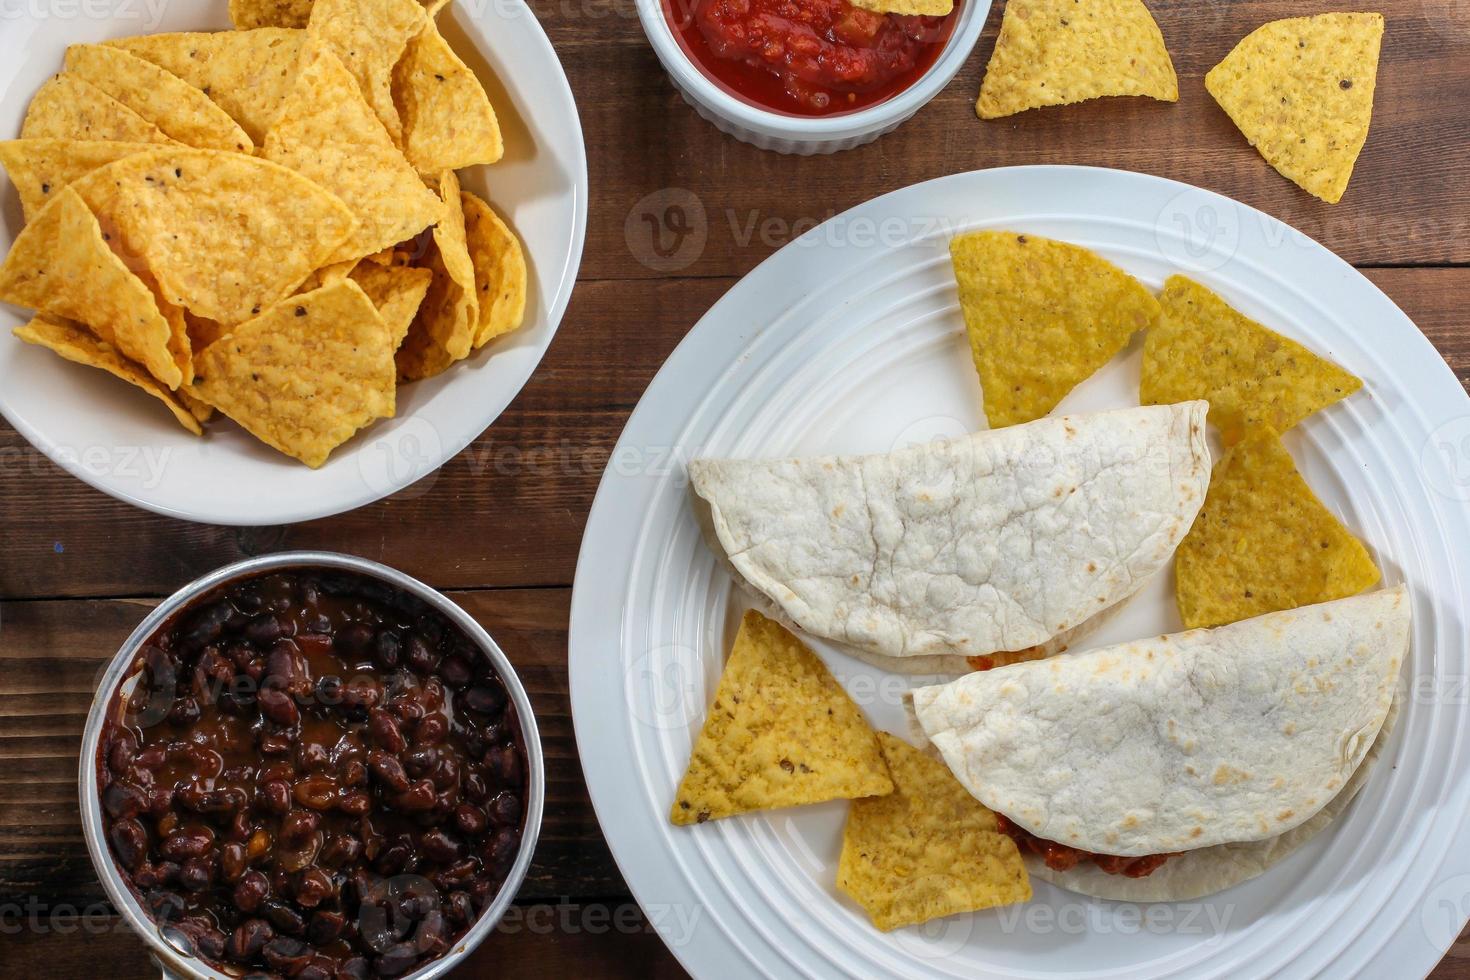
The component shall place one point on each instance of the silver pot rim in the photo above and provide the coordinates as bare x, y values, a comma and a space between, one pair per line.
177, 962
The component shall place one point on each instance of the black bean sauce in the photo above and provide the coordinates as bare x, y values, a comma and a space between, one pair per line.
316, 776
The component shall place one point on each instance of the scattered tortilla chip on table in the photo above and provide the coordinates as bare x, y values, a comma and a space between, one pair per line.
1056, 52
500, 269
39, 168
73, 342
928, 849
247, 73
1264, 542
448, 122
370, 37
397, 292
249, 14
224, 234
71, 108
1202, 347
329, 134
449, 319
1042, 316
305, 374
780, 732
1301, 90
60, 264
181, 111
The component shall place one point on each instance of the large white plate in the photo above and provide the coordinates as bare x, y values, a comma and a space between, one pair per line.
850, 339
121, 441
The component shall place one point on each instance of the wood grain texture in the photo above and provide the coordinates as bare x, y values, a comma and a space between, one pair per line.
501, 523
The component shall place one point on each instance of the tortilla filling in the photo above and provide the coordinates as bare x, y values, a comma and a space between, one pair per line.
1060, 857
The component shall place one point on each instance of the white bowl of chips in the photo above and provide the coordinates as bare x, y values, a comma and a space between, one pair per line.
302, 229
802, 134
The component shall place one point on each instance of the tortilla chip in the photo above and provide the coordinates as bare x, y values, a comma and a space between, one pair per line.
781, 732
60, 264
181, 111
1056, 52
448, 122
247, 73
203, 331
384, 257
73, 342
305, 374
500, 269
249, 14
1263, 541
908, 8
449, 319
224, 234
928, 849
1203, 348
1042, 316
1301, 90
202, 411
72, 108
327, 133
396, 292
370, 37
40, 167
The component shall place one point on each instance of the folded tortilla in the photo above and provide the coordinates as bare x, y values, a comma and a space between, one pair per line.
1000, 541
1233, 745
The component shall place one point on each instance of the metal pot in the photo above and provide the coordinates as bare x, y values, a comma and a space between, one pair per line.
170, 949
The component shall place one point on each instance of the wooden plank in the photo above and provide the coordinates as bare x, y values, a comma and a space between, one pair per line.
508, 511
1409, 201
598, 941
51, 658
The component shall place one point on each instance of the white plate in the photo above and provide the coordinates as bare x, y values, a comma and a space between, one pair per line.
123, 442
850, 339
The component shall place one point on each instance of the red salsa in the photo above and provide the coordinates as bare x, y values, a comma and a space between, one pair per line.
1061, 857
807, 57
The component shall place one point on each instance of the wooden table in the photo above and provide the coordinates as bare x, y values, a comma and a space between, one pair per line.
499, 526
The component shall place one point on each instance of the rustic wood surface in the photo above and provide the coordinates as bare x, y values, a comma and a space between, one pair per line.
499, 525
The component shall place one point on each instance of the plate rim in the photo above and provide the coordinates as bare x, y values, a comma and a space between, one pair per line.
584, 665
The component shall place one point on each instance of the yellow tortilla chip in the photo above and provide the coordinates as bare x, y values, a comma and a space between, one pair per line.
449, 319
928, 849
1301, 90
181, 111
39, 168
305, 374
500, 269
1203, 348
202, 331
1263, 541
225, 235
1055, 52
328, 134
1042, 316
73, 342
249, 14
247, 73
908, 8
370, 36
781, 732
60, 264
448, 122
71, 108
202, 411
396, 292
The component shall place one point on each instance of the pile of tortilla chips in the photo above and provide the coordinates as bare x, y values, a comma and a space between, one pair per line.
266, 222
782, 732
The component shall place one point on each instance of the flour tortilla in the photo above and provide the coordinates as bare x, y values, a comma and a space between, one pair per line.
998, 541
1234, 745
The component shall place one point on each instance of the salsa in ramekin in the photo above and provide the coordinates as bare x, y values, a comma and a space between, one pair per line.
807, 57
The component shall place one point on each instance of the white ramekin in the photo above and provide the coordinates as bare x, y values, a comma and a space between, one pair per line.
799, 134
